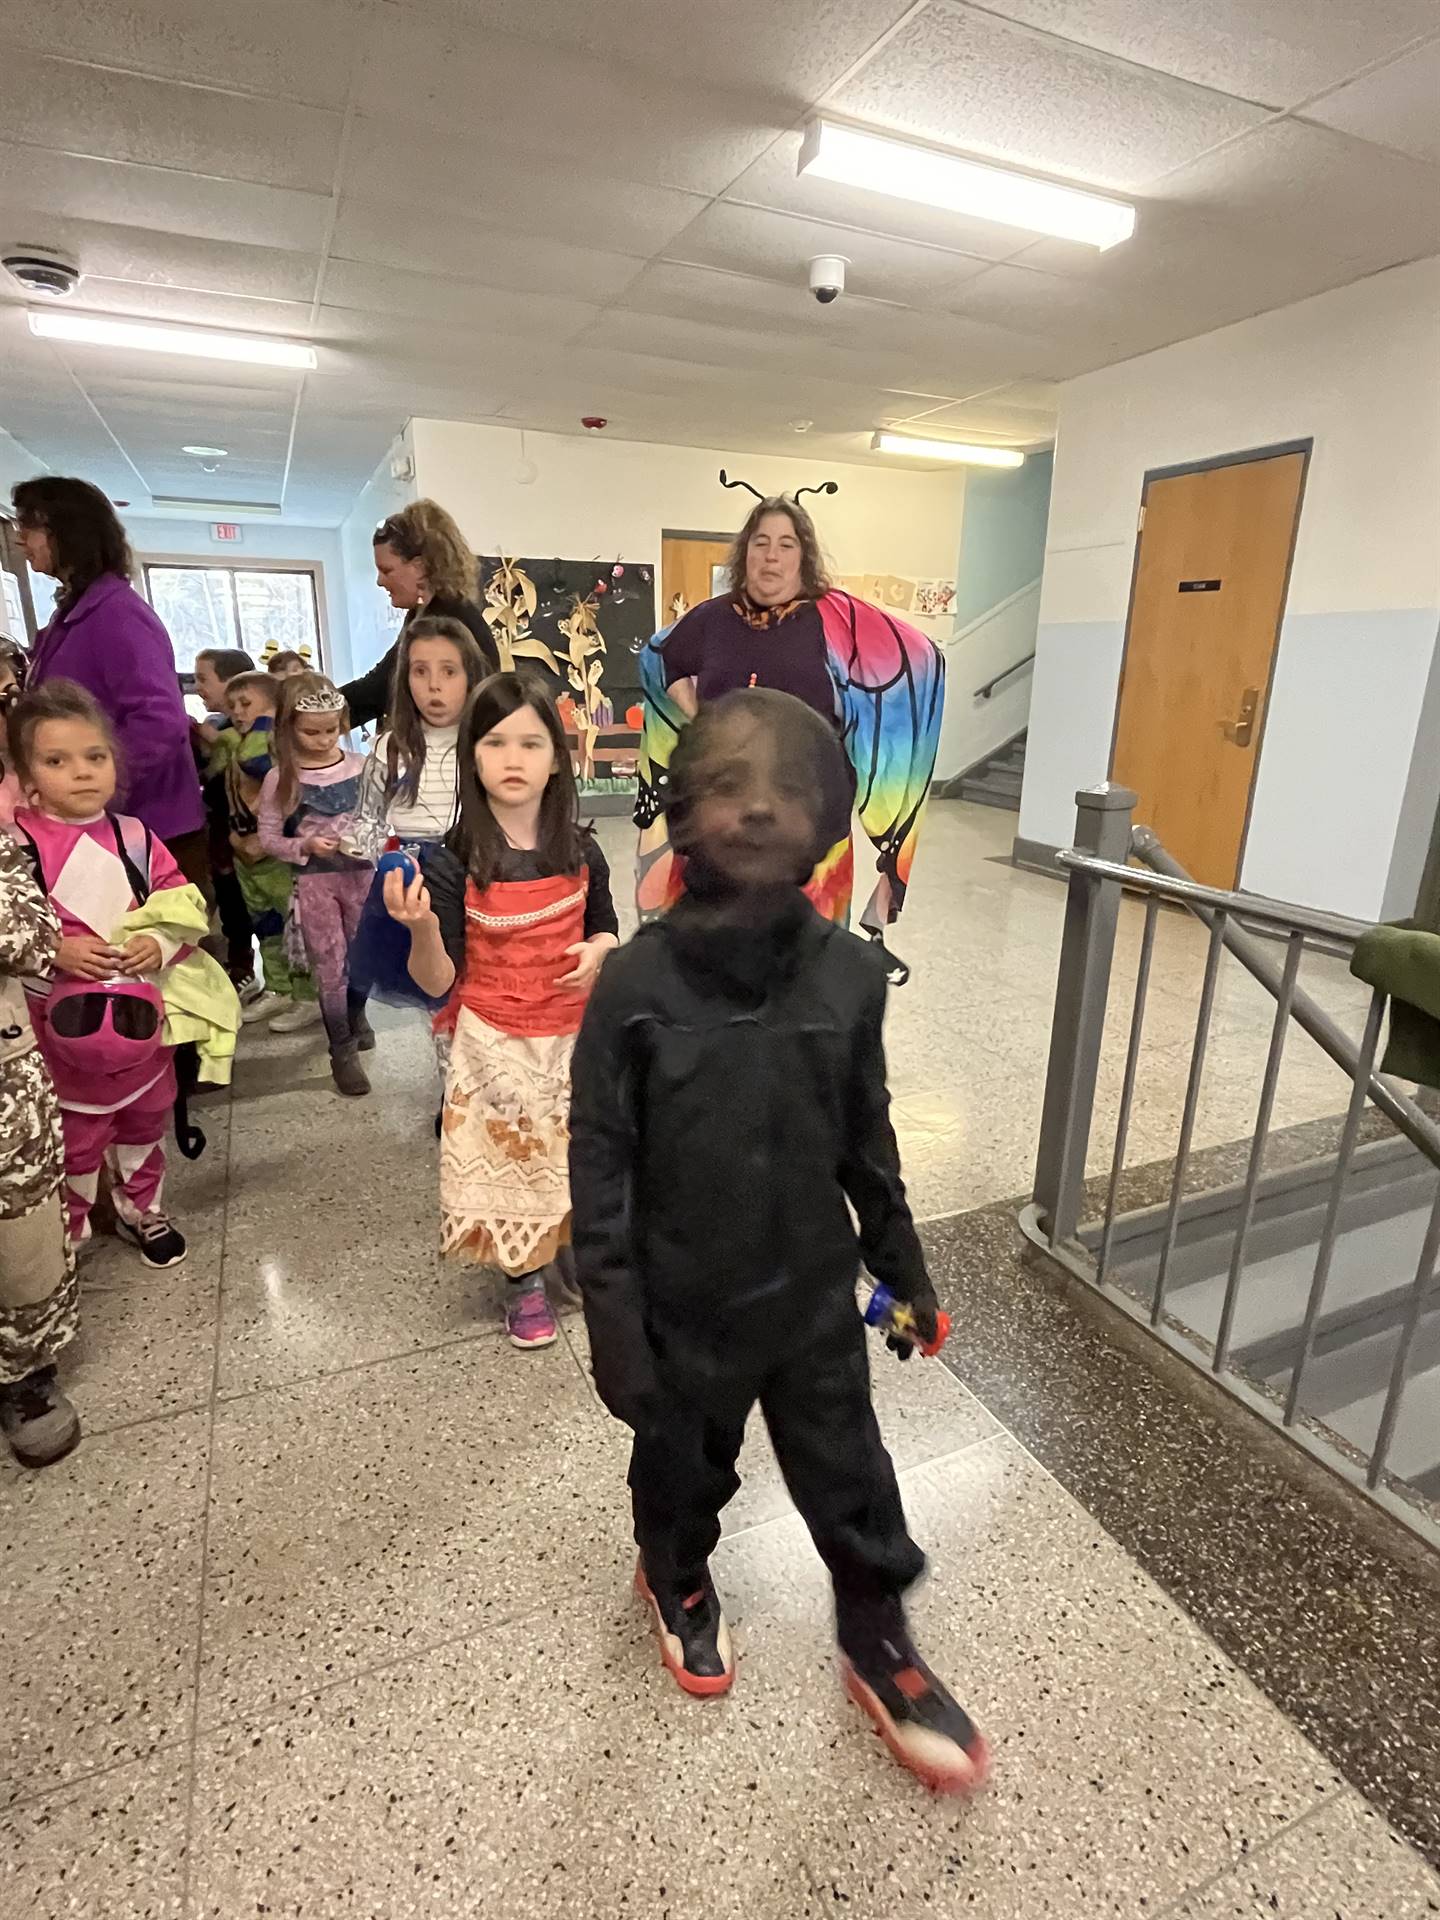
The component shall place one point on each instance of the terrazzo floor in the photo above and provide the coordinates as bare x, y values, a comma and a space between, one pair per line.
329, 1614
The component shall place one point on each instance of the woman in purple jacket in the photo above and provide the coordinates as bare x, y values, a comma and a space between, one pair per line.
109, 639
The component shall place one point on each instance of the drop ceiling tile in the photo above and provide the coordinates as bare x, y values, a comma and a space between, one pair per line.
773, 182
182, 306
1013, 426
269, 47
513, 97
974, 82
779, 246
121, 116
403, 179
440, 248
1275, 51
150, 258
797, 52
1396, 106
79, 187
460, 306
1301, 186
1208, 265
1045, 303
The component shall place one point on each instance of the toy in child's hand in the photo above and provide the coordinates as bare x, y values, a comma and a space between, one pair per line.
896, 1320
397, 859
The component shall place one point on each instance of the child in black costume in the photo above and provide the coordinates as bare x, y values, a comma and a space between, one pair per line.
729, 1099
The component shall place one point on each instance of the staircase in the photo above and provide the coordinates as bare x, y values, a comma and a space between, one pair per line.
994, 781
1378, 1238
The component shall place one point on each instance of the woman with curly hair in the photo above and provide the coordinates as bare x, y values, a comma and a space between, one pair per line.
424, 563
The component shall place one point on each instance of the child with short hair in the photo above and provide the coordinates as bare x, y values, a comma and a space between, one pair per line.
307, 805
513, 912
288, 1001
216, 743
730, 1108
99, 1016
286, 663
39, 1297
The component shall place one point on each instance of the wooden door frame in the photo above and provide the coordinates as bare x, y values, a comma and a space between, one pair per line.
1243, 458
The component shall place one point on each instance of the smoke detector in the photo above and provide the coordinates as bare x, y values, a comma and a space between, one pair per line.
595, 421
47, 271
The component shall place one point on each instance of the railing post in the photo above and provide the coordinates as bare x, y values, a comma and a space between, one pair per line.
1103, 817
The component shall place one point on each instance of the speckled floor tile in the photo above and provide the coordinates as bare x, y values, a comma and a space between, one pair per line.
111, 1845
367, 1515
100, 1568
146, 1343
1130, 1757
1343, 1863
545, 1769
548, 1766
1333, 1613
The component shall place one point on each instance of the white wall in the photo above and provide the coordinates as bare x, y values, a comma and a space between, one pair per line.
372, 621
608, 497
1343, 770
153, 537
16, 463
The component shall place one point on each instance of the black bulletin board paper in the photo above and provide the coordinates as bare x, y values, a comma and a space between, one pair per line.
625, 613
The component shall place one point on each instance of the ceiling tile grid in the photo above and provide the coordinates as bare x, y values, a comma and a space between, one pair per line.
525, 210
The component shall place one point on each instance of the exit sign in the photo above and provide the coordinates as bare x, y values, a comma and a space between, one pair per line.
224, 530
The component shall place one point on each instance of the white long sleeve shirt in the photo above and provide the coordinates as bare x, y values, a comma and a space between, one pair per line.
383, 815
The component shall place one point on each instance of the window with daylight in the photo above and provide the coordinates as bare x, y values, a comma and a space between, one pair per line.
262, 609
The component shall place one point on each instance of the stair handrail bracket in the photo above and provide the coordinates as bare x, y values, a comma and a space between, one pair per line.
1270, 939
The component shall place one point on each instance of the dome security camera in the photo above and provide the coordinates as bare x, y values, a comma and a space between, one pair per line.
47, 271
827, 277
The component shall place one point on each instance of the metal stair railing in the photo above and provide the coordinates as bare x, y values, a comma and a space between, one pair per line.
1098, 874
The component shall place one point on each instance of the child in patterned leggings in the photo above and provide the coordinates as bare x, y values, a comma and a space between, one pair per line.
307, 805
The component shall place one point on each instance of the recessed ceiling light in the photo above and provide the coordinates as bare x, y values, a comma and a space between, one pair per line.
147, 336
208, 453
936, 179
956, 450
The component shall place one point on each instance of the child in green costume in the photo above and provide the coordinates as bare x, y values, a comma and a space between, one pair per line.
288, 1002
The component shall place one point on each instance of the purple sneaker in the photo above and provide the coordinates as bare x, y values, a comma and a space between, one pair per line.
528, 1319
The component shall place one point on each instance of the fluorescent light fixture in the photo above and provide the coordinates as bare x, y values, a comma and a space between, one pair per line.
147, 336
935, 179
222, 509
956, 450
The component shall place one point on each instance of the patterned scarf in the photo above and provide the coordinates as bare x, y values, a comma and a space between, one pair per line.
762, 617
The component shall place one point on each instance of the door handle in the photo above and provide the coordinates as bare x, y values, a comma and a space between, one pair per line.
1241, 730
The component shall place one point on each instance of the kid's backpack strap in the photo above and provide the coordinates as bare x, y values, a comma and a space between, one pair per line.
132, 843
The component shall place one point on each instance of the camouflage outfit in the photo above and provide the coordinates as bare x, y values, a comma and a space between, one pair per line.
39, 1296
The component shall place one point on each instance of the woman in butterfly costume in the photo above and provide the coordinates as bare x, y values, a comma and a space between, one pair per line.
879, 681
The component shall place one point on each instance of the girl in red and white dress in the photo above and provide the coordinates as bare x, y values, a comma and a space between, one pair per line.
511, 916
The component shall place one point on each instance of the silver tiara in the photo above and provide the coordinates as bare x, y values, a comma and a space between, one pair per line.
322, 700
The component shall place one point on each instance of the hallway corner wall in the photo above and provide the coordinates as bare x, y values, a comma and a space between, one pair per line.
1358, 371
997, 603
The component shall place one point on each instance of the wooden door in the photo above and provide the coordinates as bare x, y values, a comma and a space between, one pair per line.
687, 567
1210, 578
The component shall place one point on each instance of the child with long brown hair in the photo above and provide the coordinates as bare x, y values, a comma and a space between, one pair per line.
512, 917
307, 807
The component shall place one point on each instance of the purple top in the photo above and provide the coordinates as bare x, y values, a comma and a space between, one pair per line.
717, 649
113, 644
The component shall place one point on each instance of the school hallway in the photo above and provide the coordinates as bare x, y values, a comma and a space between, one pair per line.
331, 1611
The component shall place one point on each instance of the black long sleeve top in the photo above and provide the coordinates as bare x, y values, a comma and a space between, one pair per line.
729, 1098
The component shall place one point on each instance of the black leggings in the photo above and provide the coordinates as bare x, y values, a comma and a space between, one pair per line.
816, 1404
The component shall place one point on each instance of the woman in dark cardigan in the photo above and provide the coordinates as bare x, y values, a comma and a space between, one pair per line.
424, 564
